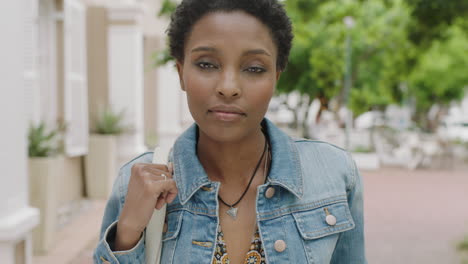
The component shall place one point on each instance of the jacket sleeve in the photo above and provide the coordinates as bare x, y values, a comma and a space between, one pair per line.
350, 247
104, 251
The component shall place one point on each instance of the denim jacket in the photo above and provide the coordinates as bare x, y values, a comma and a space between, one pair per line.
313, 212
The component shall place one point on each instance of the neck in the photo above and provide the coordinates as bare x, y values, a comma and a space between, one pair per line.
231, 162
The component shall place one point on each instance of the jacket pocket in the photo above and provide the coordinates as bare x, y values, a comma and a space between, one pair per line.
313, 224
319, 236
173, 222
170, 236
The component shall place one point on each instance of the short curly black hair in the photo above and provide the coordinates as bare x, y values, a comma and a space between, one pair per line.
269, 12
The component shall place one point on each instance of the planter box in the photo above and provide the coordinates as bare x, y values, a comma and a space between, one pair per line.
101, 165
366, 161
44, 174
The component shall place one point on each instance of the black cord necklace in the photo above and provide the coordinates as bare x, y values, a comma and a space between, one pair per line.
233, 210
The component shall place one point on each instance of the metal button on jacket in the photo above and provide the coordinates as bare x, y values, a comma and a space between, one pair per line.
270, 192
207, 188
280, 245
331, 220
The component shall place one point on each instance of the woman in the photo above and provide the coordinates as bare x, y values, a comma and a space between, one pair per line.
239, 189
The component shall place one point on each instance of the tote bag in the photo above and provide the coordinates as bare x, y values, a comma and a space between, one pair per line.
153, 236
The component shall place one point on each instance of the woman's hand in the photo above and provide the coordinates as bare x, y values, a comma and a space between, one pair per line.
147, 189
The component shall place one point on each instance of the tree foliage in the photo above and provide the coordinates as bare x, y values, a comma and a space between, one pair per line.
395, 44
432, 18
317, 62
440, 75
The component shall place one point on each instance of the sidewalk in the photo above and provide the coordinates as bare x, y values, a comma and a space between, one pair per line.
415, 216
76, 240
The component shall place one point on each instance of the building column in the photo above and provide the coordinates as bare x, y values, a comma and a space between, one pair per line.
125, 61
171, 103
151, 44
17, 219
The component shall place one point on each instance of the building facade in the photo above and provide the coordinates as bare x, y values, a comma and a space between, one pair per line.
64, 61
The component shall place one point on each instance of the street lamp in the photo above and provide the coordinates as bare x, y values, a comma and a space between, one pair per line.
349, 23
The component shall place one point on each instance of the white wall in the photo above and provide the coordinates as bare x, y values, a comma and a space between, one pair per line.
16, 218
13, 193
152, 24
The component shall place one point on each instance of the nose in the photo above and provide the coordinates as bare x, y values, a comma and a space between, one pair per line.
229, 86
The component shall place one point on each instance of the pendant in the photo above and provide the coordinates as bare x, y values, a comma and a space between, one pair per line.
232, 212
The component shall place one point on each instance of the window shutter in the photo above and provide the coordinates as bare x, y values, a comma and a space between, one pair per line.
31, 78
76, 91
46, 62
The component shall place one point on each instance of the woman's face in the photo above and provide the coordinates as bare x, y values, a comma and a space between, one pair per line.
229, 74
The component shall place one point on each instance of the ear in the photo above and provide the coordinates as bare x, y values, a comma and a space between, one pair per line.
180, 71
278, 73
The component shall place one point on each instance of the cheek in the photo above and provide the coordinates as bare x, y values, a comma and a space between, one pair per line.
197, 86
260, 92
198, 89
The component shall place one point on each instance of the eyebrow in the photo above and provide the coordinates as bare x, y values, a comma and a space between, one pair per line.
245, 53
199, 49
256, 52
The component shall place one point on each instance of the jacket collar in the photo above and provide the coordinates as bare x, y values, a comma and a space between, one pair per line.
190, 175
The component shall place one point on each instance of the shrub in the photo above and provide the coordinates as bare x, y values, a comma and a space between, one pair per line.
110, 123
42, 143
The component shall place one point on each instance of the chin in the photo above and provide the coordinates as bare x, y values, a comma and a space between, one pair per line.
224, 132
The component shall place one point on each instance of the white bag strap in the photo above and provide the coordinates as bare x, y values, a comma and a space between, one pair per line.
154, 230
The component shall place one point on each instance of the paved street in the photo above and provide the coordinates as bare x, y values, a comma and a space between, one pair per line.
415, 216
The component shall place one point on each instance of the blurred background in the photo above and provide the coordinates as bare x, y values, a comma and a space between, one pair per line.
88, 84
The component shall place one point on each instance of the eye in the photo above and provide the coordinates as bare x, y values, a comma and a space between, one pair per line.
206, 65
256, 69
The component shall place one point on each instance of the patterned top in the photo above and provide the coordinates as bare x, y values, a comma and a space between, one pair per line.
256, 254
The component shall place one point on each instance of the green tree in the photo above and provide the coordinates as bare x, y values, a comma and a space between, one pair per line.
439, 32
316, 66
381, 51
440, 75
432, 18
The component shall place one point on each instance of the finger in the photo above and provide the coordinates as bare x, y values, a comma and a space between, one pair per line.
170, 197
160, 203
170, 190
157, 170
157, 166
162, 199
159, 187
155, 177
170, 166
164, 195
169, 185
162, 177
145, 166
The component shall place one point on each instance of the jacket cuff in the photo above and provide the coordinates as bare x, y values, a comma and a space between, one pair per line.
105, 255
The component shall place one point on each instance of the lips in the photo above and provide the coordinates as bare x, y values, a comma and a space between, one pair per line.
227, 113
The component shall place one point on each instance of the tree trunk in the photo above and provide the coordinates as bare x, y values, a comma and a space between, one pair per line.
434, 123
323, 106
305, 127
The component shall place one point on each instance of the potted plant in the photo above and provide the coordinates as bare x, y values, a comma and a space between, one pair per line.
101, 161
45, 167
